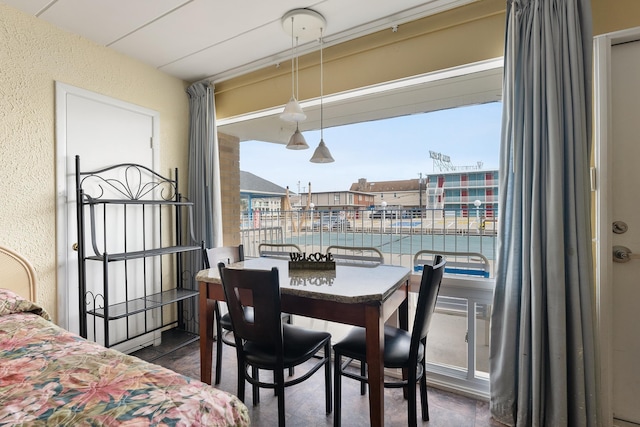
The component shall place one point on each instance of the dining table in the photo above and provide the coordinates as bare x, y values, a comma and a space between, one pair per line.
358, 295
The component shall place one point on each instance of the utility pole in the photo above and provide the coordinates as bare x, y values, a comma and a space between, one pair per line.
420, 189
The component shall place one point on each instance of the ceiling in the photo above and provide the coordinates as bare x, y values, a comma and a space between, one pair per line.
217, 40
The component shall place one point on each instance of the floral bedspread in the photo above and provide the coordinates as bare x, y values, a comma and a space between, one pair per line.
49, 376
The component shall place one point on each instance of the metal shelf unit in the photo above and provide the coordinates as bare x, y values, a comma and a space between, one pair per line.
131, 248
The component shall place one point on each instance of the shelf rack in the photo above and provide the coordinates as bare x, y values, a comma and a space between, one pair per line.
131, 253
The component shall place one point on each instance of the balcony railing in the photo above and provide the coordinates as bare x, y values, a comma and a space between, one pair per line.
466, 184
459, 339
468, 200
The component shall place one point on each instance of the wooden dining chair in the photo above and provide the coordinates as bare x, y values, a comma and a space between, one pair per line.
224, 329
465, 264
278, 250
356, 255
212, 256
264, 342
460, 263
402, 349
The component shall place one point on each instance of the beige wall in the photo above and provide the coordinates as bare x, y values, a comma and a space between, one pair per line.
229, 149
460, 36
33, 55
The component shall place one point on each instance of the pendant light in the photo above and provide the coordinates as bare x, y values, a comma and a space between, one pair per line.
322, 154
293, 111
297, 141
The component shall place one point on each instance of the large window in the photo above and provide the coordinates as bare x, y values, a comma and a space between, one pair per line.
457, 212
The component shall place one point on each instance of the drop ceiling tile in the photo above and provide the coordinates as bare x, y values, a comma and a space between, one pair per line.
106, 21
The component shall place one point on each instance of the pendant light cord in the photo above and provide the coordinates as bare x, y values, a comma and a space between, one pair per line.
292, 63
321, 87
297, 70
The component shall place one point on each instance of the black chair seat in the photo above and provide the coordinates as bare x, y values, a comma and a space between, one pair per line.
397, 343
225, 320
299, 345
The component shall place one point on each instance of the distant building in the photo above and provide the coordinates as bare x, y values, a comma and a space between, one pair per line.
401, 193
338, 200
258, 193
457, 191
462, 191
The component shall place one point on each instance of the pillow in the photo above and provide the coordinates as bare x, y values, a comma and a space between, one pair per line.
10, 302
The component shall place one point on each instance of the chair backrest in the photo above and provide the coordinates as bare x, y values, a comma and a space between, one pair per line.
278, 250
356, 255
17, 274
460, 263
260, 289
226, 254
427, 296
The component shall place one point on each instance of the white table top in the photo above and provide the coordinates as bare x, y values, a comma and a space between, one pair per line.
347, 283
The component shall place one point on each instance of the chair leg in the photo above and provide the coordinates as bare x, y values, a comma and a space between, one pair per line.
279, 380
218, 353
256, 390
411, 396
363, 372
327, 376
241, 379
424, 398
337, 389
291, 369
218, 343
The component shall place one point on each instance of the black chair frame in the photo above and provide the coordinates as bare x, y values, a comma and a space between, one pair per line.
224, 330
265, 342
414, 366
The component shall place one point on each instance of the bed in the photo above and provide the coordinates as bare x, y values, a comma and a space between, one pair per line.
49, 376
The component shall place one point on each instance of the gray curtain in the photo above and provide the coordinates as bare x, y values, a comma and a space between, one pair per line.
201, 143
542, 329
204, 183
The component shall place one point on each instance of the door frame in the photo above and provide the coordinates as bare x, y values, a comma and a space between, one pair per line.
62, 92
601, 182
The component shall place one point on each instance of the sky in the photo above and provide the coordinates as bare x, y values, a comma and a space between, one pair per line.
381, 150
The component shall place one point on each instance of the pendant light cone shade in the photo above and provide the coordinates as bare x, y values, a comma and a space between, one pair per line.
297, 141
322, 154
293, 111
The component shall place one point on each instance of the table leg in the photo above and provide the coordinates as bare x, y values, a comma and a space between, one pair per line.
205, 317
375, 363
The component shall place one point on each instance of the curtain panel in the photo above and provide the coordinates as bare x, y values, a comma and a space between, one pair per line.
203, 182
542, 355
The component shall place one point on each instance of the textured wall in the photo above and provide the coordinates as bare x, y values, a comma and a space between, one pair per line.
229, 148
33, 55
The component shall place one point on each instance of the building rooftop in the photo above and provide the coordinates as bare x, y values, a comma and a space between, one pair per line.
255, 186
385, 186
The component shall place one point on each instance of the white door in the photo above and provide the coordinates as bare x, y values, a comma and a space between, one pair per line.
625, 151
103, 131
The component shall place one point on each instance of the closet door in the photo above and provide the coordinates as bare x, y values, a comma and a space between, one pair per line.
625, 207
103, 131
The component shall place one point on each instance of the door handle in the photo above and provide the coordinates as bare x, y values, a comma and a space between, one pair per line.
623, 254
75, 247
